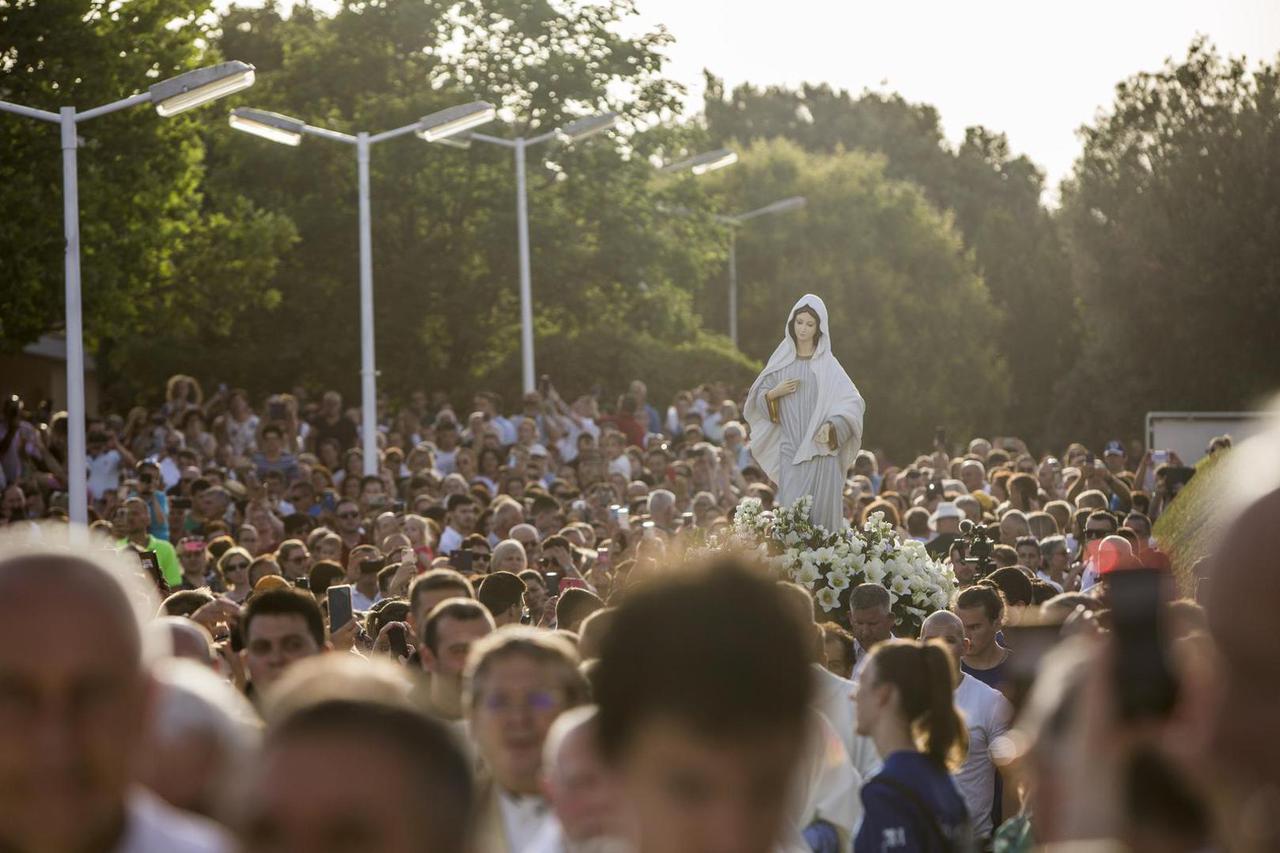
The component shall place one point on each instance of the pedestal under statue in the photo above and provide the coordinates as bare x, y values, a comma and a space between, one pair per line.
805, 415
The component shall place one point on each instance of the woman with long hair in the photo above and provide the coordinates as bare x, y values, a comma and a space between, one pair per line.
905, 705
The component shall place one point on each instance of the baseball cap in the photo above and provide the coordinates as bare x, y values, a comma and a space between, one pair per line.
1113, 448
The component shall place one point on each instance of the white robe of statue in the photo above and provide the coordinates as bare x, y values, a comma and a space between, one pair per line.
787, 433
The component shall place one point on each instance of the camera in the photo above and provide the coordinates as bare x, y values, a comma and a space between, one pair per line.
979, 547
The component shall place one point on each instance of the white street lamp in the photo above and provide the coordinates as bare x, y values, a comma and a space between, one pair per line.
170, 97
700, 164
436, 127
781, 206
575, 131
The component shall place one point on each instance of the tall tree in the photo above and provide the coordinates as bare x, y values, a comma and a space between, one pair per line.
1173, 211
148, 223
444, 223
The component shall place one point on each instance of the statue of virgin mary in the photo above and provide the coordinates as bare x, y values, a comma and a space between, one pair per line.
805, 415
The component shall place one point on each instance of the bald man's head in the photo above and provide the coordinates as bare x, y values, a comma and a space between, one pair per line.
947, 628
73, 652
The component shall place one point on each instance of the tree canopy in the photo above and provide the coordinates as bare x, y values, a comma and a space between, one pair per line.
1173, 214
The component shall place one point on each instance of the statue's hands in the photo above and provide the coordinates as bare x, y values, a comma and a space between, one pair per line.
826, 435
783, 389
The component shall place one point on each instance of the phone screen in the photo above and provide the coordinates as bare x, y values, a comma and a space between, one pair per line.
463, 561
340, 609
395, 636
1145, 683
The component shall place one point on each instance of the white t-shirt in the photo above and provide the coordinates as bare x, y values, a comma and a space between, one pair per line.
104, 473
450, 540
524, 819
154, 825
833, 697
988, 716
446, 461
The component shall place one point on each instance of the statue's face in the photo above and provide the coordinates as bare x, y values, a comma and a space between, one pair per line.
806, 327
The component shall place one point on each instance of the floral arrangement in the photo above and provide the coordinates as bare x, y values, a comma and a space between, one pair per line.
831, 564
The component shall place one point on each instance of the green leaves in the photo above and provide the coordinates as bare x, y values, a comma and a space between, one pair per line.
1173, 212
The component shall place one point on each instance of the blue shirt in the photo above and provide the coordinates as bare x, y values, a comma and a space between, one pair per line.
892, 820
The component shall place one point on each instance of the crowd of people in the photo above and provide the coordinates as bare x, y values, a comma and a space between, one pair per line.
506, 633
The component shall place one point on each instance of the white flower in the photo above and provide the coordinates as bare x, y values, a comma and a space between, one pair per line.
899, 586
839, 581
875, 570
828, 598
808, 575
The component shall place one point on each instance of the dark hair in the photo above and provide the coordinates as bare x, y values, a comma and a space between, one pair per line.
791, 324
185, 602
458, 500
462, 609
324, 574
574, 605
431, 758
1014, 584
438, 579
1004, 556
696, 645
532, 576
1104, 515
271, 429
500, 591
989, 598
1042, 591
284, 602
924, 676
837, 632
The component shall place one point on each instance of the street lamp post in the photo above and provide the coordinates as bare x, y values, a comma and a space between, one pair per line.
436, 127
573, 132
733, 222
170, 97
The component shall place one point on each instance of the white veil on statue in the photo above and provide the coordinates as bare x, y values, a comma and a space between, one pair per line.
837, 396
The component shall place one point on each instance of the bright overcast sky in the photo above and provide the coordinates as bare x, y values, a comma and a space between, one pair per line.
1033, 70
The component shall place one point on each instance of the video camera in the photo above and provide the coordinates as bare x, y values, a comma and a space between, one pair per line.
978, 547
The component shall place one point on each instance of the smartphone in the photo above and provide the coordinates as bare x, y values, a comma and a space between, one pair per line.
340, 609
302, 583
395, 636
463, 561
397, 507
1145, 684
1031, 642
1090, 460
552, 580
1159, 457
277, 411
570, 583
649, 531
602, 558
940, 437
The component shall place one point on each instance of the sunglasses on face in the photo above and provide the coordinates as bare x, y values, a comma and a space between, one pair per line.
237, 567
1096, 534
348, 515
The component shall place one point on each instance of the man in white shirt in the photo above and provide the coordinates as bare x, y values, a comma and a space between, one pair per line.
988, 716
462, 514
67, 775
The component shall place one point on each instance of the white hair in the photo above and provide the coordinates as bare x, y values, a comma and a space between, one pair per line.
566, 725
660, 499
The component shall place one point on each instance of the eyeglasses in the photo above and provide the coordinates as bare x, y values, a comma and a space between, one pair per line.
538, 700
236, 567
